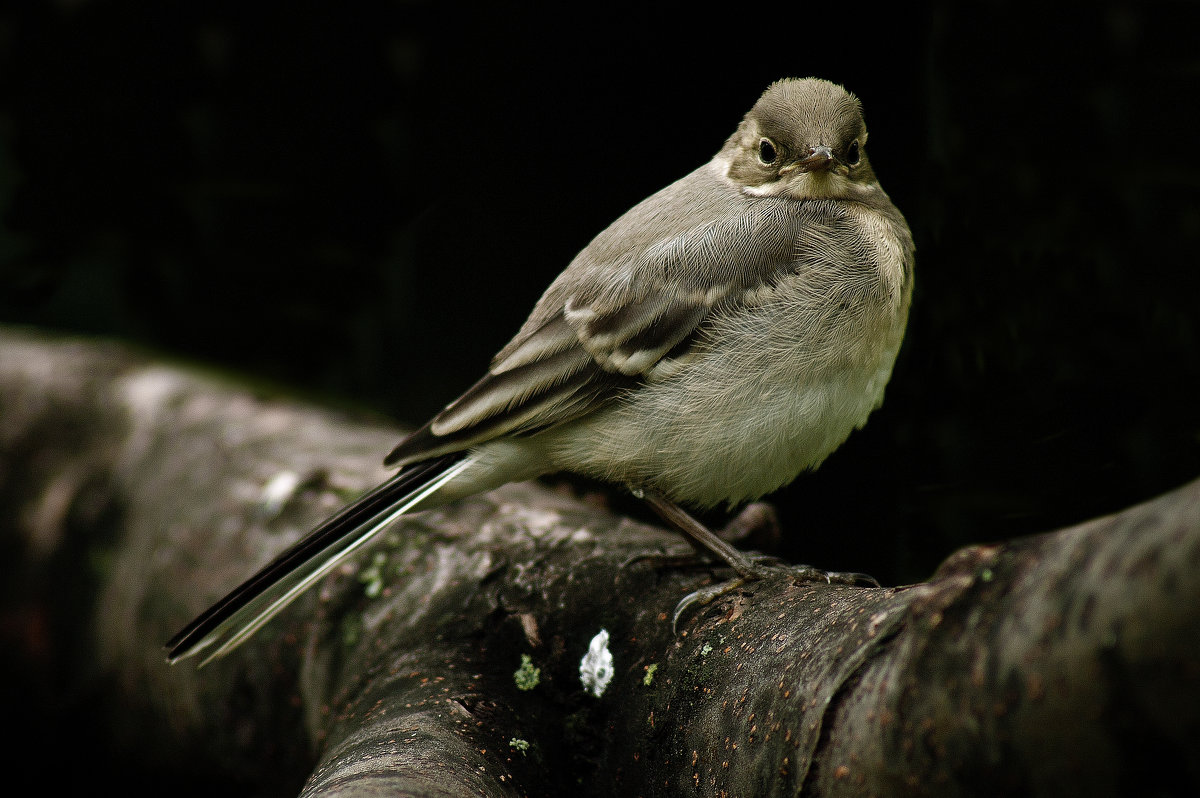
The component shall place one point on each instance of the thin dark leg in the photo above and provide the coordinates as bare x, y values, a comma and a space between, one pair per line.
747, 569
681, 520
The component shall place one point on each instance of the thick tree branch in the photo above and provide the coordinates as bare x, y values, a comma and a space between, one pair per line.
1066, 663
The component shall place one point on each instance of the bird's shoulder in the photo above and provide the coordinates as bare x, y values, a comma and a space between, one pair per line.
693, 244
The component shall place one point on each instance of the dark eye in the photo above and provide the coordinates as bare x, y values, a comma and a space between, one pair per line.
766, 151
853, 153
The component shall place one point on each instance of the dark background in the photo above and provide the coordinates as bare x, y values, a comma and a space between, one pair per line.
361, 202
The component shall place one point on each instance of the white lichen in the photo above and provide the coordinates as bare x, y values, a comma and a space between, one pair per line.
596, 667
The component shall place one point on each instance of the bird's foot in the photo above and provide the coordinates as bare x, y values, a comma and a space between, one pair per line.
749, 568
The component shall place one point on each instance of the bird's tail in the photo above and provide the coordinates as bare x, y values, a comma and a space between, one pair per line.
232, 620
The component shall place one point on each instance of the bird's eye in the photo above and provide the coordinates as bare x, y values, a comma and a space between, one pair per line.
853, 153
766, 151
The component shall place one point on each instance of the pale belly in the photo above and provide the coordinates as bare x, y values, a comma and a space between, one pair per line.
732, 427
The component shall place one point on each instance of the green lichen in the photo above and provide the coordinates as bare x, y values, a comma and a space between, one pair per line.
527, 676
372, 575
649, 677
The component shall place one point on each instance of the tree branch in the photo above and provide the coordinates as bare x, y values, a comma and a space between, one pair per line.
1065, 663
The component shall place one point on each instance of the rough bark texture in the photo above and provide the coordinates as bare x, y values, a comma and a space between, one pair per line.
133, 493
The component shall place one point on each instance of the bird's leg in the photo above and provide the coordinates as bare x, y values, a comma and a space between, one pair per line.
756, 521
702, 537
748, 569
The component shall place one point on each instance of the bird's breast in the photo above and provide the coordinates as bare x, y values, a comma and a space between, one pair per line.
776, 382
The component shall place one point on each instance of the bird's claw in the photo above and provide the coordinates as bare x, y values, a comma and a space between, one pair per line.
704, 595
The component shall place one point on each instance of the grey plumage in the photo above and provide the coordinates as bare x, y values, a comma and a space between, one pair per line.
717, 339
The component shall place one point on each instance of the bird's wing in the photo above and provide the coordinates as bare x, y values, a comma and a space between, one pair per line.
628, 307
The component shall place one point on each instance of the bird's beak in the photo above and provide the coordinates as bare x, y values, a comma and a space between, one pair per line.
819, 159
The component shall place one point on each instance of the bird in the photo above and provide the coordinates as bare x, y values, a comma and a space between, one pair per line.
719, 338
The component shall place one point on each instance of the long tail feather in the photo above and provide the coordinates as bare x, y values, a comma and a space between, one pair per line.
233, 619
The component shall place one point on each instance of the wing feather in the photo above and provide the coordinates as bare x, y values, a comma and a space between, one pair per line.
630, 305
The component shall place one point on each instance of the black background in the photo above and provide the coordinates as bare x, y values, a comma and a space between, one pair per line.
362, 202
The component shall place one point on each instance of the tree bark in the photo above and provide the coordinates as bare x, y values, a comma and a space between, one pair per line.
446, 660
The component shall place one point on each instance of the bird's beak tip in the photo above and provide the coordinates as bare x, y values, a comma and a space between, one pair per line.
819, 159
